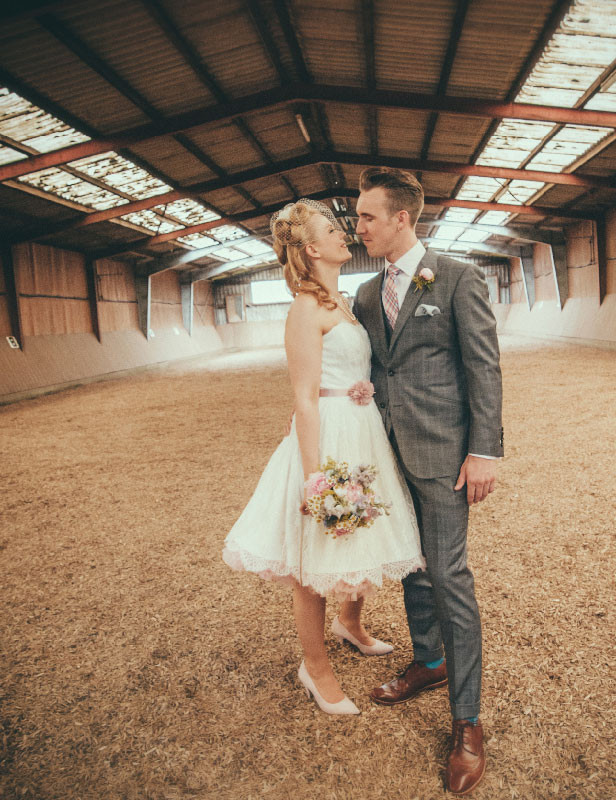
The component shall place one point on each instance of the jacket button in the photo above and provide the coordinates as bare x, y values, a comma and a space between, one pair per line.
391, 372
382, 405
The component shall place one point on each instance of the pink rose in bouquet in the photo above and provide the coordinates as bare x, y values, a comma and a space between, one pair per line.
343, 500
316, 484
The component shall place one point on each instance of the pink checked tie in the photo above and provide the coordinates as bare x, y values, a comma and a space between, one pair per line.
390, 296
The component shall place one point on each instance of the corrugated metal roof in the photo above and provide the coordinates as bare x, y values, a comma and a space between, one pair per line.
411, 40
331, 37
31, 126
494, 44
575, 58
133, 44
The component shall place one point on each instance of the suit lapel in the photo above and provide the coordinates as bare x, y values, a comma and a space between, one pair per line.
412, 298
374, 310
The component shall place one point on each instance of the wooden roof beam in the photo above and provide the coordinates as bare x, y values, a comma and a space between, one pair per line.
150, 241
314, 159
450, 54
302, 93
367, 29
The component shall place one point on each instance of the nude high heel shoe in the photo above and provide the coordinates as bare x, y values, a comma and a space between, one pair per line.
377, 649
344, 706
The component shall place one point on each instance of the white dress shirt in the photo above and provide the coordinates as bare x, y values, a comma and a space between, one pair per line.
407, 264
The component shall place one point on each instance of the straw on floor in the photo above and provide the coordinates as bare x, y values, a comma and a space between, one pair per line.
136, 665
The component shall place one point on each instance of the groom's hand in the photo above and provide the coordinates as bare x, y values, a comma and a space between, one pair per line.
479, 475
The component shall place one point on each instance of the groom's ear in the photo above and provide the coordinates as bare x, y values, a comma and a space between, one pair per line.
403, 219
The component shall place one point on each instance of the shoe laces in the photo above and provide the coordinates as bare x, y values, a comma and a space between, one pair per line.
462, 733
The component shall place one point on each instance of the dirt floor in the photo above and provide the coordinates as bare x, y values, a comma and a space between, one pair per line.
135, 664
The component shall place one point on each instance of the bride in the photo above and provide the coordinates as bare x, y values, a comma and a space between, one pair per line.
328, 352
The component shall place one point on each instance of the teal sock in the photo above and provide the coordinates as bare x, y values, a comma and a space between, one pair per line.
472, 719
434, 664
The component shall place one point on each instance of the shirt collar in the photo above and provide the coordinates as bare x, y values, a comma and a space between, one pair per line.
409, 261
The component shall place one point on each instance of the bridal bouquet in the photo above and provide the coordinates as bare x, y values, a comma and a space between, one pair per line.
342, 499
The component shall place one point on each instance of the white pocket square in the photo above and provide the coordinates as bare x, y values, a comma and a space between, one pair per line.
424, 310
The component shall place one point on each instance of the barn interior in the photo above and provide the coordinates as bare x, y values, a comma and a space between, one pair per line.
143, 146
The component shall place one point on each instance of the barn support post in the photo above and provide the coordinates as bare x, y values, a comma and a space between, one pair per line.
92, 282
528, 273
143, 286
187, 290
10, 282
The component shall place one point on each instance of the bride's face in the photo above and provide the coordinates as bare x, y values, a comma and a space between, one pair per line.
328, 244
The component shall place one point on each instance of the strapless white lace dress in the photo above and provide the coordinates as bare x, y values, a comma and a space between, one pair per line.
271, 537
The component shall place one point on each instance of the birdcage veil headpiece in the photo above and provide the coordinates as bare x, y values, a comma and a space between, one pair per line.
287, 226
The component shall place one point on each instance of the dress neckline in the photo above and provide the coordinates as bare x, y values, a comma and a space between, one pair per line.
342, 321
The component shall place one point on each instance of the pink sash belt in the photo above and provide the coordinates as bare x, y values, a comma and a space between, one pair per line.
360, 393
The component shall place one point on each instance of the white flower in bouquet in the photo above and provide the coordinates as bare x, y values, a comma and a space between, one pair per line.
343, 500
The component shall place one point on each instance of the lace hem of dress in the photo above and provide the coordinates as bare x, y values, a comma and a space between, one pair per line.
340, 586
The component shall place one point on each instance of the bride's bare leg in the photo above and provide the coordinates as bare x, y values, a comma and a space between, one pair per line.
350, 617
309, 611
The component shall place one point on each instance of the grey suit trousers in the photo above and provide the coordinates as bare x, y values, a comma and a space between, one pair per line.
440, 604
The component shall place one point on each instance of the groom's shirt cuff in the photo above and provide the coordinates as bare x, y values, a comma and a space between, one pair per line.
492, 458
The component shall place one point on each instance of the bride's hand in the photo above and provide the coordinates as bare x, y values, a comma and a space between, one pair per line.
303, 509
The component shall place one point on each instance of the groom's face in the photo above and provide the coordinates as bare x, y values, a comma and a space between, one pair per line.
376, 225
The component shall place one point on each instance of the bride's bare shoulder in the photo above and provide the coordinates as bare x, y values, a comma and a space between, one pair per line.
306, 317
304, 306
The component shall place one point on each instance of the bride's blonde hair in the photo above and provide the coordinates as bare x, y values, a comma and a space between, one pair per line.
293, 229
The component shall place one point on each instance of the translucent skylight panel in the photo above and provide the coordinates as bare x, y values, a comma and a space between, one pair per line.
461, 214
478, 188
578, 54
567, 147
70, 187
9, 156
458, 247
152, 222
603, 101
448, 231
120, 174
29, 125
253, 247
495, 217
591, 17
519, 192
582, 49
512, 142
191, 213
227, 253
197, 240
227, 233
473, 235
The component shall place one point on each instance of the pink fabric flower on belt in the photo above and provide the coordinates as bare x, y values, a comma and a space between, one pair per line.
361, 392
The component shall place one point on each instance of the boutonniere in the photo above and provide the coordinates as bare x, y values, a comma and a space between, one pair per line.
424, 280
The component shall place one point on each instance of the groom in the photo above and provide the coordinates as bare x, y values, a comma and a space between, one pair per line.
435, 369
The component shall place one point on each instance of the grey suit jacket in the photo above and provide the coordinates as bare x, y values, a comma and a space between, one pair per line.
438, 381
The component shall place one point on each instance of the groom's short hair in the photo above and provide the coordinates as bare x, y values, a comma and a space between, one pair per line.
403, 190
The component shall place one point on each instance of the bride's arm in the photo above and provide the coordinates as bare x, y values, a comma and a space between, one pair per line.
304, 345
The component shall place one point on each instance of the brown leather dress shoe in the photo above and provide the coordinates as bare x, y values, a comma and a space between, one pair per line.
467, 761
415, 679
